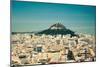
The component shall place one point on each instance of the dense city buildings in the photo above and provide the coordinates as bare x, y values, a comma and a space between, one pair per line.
41, 48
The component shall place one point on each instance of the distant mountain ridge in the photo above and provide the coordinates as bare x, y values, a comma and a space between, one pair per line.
57, 28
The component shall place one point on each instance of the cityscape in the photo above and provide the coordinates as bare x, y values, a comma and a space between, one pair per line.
52, 48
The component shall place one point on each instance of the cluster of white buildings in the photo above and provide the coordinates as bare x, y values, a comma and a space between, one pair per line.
47, 49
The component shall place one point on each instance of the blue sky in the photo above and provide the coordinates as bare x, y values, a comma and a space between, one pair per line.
36, 16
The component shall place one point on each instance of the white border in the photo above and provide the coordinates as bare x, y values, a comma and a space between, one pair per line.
5, 33
82, 2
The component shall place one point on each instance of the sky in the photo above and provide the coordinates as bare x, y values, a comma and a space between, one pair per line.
37, 16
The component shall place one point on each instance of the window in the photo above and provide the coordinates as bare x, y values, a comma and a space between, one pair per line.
39, 49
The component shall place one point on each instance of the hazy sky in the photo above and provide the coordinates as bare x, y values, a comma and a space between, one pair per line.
35, 16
